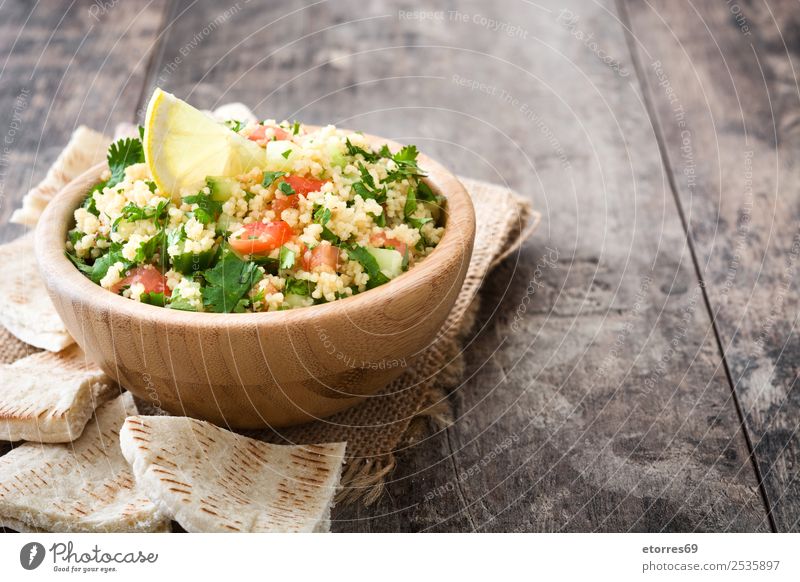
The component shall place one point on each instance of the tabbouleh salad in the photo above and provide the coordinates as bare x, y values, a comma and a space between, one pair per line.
327, 217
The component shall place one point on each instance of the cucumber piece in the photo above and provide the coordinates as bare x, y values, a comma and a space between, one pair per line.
221, 187
389, 261
336, 151
190, 263
277, 157
294, 300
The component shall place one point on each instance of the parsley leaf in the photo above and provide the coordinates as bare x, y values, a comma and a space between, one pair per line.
234, 125
103, 264
228, 284
131, 213
406, 160
152, 298
295, 128
355, 150
298, 287
286, 154
270, 177
286, 257
411, 203
322, 215
363, 256
121, 154
286, 188
208, 209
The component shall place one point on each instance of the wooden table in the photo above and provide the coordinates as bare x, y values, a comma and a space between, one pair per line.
635, 367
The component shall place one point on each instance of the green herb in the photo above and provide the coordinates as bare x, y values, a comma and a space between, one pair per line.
180, 303
103, 264
228, 284
286, 188
141, 133
270, 177
380, 219
89, 203
131, 213
363, 256
322, 215
418, 222
286, 154
296, 128
367, 188
74, 236
286, 258
151, 185
121, 154
208, 209
298, 287
355, 150
425, 193
157, 299
80, 264
235, 125
406, 160
155, 244
411, 203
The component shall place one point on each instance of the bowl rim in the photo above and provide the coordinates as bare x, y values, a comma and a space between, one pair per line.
59, 272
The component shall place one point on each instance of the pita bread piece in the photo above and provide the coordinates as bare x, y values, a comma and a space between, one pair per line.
86, 148
212, 480
83, 486
49, 398
25, 307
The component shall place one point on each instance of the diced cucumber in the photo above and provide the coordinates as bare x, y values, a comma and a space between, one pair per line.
277, 157
389, 261
337, 151
221, 187
294, 300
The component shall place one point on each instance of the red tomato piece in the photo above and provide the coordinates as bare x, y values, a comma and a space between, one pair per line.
303, 185
259, 237
147, 275
260, 133
281, 204
380, 240
323, 257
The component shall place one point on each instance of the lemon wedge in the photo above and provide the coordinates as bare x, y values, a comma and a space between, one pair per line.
182, 146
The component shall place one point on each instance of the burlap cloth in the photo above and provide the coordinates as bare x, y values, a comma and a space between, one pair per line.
380, 425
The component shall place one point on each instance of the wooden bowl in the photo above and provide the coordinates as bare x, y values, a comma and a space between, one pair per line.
250, 370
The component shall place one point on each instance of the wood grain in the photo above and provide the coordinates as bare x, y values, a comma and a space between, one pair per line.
62, 67
730, 137
596, 396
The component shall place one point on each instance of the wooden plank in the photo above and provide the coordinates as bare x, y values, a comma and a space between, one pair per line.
64, 66
604, 404
722, 80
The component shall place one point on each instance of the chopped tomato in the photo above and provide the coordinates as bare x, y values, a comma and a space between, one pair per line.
147, 275
380, 240
303, 185
260, 133
259, 237
281, 204
323, 257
